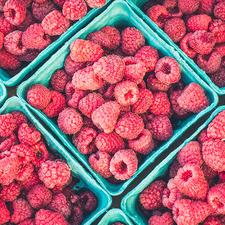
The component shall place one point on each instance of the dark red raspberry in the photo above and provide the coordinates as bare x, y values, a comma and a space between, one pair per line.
8, 61
10, 192
7, 125
184, 45
217, 27
7, 143
31, 182
188, 7
27, 22
166, 219
29, 55
88, 201
206, 6
1, 39
2, 3
5, 213
25, 171
59, 80
219, 11
71, 67
96, 3
212, 221
40, 153
219, 77
5, 26
77, 215
220, 48
198, 22
155, 85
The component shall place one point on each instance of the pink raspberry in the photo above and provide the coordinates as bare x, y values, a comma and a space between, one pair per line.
155, 85
5, 213
74, 9
174, 168
166, 219
5, 26
105, 117
151, 197
19, 117
218, 77
193, 98
96, 3
25, 171
203, 136
84, 141
100, 162
27, 222
206, 6
8, 61
54, 174
126, 93
85, 51
217, 27
7, 143
190, 181
132, 40
77, 215
71, 67
110, 68
129, 126
212, 221
10, 192
59, 80
198, 22
124, 164
41, 153
184, 45
219, 11
7, 125
188, 7
70, 121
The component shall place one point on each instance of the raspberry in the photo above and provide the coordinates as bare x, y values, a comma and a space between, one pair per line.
35, 32
96, 3
55, 23
110, 68
40, 153
59, 80
25, 172
28, 134
100, 162
74, 9
27, 222
132, 40
19, 117
113, 35
206, 6
174, 168
124, 164
88, 201
85, 51
154, 84
86, 79
54, 173
56, 105
7, 143
14, 12
1, 39
161, 104
166, 219
71, 67
77, 216
212, 221
218, 77
190, 154
5, 26
219, 11
10, 192
220, 48
39, 196
209, 63
5, 214
217, 27
202, 42
151, 197
203, 136
8, 61
158, 14
126, 93
193, 98
60, 204
213, 154
216, 198
129, 126
188, 7
184, 45
190, 181
29, 56
84, 141
49, 217
105, 117
21, 211
198, 22
7, 125
2, 3
70, 121
31, 182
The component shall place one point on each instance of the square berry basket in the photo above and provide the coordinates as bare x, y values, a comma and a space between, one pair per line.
119, 13
137, 6
129, 203
85, 180
14, 80
3, 93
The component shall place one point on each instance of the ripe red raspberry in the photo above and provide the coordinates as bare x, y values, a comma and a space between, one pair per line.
100, 162
217, 27
105, 117
219, 11
206, 6
190, 181
151, 197
39, 196
8, 61
161, 104
19, 117
190, 154
7, 143
54, 174
85, 51
132, 40
212, 221
71, 67
84, 141
59, 80
27, 222
49, 217
40, 153
166, 219
188, 7
31, 182
25, 171
126, 93
218, 77
21, 211
158, 14
184, 45
193, 98
56, 105
7, 125
5, 26
96, 3
10, 192
174, 168
161, 128
124, 164
129, 126
198, 22
88, 201
77, 215
70, 121
155, 85
202, 42
74, 9
5, 213
35, 32
86, 79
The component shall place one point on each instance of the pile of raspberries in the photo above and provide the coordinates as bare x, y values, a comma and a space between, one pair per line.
29, 26
199, 28
35, 186
117, 98
195, 191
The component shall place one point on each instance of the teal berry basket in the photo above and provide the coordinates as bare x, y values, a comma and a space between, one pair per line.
137, 5
85, 180
113, 216
129, 203
3, 93
13, 80
119, 13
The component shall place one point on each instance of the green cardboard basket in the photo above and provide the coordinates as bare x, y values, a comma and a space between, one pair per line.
119, 13
13, 80
3, 93
113, 216
137, 5
129, 203
85, 180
